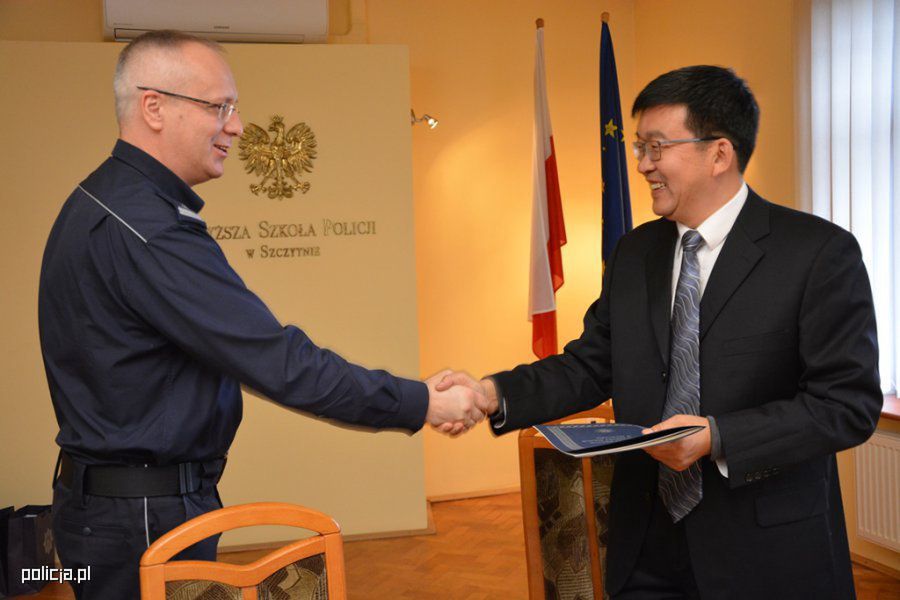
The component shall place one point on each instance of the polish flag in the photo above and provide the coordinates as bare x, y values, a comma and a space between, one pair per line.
548, 232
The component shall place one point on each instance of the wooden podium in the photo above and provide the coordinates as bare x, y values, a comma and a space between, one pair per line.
565, 503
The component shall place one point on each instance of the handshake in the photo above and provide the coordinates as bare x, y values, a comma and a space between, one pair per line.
457, 401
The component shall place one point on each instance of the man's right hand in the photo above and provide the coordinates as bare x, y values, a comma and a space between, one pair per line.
486, 392
452, 409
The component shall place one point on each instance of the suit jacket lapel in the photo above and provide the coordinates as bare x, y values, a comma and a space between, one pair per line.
659, 284
738, 257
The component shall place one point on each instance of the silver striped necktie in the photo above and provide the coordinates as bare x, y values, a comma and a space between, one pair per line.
681, 491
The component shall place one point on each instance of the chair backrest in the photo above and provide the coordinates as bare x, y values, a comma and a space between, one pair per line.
311, 568
565, 532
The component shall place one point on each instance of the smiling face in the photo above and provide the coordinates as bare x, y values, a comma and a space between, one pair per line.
196, 141
681, 180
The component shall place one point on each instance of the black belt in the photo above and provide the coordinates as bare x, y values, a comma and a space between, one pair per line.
142, 481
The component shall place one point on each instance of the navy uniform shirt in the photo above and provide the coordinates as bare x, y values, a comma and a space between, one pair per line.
147, 332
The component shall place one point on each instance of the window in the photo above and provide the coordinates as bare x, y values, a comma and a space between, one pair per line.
851, 137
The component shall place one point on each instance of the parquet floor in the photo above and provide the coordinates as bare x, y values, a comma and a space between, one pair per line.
478, 553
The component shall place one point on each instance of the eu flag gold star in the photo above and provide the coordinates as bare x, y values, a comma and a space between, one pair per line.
610, 129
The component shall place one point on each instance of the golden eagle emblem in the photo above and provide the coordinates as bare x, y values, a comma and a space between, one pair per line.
279, 160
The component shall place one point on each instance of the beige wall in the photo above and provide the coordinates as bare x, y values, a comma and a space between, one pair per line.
755, 38
51, 20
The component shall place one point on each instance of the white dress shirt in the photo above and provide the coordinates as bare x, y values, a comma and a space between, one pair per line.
713, 230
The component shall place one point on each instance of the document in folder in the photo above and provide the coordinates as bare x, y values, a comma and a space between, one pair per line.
593, 439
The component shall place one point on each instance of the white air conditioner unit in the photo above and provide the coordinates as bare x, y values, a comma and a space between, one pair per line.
289, 21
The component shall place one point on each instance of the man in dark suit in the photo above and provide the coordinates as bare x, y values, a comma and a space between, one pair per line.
751, 319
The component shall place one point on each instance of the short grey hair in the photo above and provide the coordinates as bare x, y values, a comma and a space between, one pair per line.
145, 46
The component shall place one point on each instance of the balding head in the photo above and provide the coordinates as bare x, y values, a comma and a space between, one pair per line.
153, 59
184, 113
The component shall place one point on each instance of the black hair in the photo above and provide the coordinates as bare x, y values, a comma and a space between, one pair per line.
718, 102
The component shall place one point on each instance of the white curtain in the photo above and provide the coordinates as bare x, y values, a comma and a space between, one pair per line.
854, 145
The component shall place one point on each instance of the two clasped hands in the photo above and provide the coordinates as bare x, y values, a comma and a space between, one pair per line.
457, 402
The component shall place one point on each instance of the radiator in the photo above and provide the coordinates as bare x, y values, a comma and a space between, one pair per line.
878, 490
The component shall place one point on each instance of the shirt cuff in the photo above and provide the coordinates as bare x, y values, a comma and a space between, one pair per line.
716, 454
498, 419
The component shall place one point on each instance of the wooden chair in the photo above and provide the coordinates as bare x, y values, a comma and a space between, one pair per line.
565, 524
311, 568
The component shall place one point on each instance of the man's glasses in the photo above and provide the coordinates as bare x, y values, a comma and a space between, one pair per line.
225, 109
654, 149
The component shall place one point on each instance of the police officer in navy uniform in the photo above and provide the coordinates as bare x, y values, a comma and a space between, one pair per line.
147, 333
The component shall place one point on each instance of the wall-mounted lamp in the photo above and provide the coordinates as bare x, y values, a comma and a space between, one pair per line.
428, 119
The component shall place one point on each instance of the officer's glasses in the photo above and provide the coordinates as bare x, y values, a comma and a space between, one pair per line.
225, 109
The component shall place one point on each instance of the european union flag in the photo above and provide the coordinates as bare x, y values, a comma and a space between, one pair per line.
616, 200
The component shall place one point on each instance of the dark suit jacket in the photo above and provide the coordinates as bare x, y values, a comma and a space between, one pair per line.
788, 367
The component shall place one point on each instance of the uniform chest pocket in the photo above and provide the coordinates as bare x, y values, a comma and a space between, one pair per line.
763, 342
